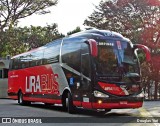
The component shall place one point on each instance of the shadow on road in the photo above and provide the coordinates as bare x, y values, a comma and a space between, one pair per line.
81, 115
79, 111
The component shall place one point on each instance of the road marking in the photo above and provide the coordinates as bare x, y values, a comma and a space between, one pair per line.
145, 113
142, 113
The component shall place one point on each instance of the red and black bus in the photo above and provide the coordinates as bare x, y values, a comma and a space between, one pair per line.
93, 69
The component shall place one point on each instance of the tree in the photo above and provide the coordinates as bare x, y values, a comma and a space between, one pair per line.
11, 44
129, 17
77, 29
138, 20
39, 36
12, 10
18, 40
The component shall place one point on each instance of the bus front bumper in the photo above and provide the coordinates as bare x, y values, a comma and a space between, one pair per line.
118, 105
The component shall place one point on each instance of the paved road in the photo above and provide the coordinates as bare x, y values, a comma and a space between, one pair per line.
117, 117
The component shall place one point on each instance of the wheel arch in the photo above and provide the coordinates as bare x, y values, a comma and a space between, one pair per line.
65, 91
65, 95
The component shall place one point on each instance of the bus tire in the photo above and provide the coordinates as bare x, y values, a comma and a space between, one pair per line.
103, 112
69, 104
20, 98
21, 101
48, 104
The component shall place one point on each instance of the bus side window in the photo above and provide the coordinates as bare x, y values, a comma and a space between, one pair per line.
51, 54
32, 62
16, 64
35, 58
71, 54
24, 61
38, 57
85, 59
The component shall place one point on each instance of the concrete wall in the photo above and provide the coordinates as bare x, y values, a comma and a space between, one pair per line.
3, 88
4, 63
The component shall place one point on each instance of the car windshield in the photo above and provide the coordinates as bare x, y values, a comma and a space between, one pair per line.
116, 58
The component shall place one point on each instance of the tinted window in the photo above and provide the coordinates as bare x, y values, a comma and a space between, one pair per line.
24, 61
15, 64
51, 53
42, 56
71, 53
35, 58
85, 65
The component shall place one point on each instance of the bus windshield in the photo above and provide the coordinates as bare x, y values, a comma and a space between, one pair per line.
116, 58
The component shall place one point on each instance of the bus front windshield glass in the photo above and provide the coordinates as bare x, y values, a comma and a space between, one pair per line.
116, 58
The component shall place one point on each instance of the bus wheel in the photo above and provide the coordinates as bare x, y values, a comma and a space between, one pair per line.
20, 98
69, 104
21, 101
107, 110
48, 104
104, 112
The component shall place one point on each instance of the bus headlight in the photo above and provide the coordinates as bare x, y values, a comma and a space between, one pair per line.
100, 94
141, 95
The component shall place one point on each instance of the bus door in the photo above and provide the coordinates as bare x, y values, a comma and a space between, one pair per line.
85, 78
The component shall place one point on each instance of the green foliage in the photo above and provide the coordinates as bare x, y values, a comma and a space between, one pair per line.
15, 40
141, 56
12, 10
18, 40
38, 36
135, 19
77, 29
139, 20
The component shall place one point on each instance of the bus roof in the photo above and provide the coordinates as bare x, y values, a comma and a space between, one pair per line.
105, 33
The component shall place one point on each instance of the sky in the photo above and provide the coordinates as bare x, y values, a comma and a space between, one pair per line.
68, 14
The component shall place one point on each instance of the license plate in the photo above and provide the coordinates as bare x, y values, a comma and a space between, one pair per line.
123, 102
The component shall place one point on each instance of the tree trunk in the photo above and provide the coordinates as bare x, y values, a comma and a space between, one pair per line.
156, 90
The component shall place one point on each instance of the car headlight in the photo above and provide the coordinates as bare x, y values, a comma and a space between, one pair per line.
100, 94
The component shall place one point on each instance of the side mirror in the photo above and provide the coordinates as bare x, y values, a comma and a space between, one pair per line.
145, 49
93, 47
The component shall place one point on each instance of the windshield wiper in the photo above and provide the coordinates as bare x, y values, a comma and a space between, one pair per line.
132, 75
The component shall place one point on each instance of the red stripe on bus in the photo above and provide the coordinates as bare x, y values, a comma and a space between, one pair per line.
117, 105
83, 104
77, 103
52, 101
87, 105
